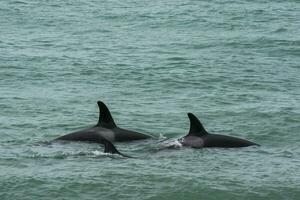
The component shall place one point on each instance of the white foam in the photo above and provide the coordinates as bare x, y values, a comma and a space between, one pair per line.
161, 136
98, 153
175, 144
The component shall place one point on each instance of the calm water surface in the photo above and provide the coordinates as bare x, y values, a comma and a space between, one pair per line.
234, 64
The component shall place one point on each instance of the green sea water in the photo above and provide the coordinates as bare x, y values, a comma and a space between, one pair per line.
234, 64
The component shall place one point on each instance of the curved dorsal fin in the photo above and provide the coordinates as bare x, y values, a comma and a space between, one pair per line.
110, 148
105, 118
196, 128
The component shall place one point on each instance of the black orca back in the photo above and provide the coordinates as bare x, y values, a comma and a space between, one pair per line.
224, 141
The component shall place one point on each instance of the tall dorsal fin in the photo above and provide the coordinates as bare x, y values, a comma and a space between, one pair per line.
196, 128
105, 118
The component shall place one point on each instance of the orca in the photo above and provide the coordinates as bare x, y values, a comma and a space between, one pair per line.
198, 137
105, 129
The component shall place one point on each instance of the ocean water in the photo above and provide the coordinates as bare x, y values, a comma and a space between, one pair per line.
234, 64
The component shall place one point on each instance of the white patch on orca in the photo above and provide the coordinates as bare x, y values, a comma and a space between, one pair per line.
106, 133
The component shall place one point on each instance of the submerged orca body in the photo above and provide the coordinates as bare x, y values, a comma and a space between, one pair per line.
108, 147
198, 137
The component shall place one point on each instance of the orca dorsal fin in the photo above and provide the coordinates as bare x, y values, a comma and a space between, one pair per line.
110, 148
105, 118
196, 128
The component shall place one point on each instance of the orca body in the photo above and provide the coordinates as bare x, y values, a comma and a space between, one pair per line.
105, 129
198, 137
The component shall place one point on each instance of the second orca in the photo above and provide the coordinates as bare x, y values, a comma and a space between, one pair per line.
198, 137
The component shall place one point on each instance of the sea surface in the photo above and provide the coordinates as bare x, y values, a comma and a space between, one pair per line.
235, 64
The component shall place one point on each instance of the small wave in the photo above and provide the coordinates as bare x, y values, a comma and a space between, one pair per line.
280, 30
19, 2
177, 59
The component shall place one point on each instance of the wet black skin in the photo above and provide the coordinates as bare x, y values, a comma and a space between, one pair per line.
198, 137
